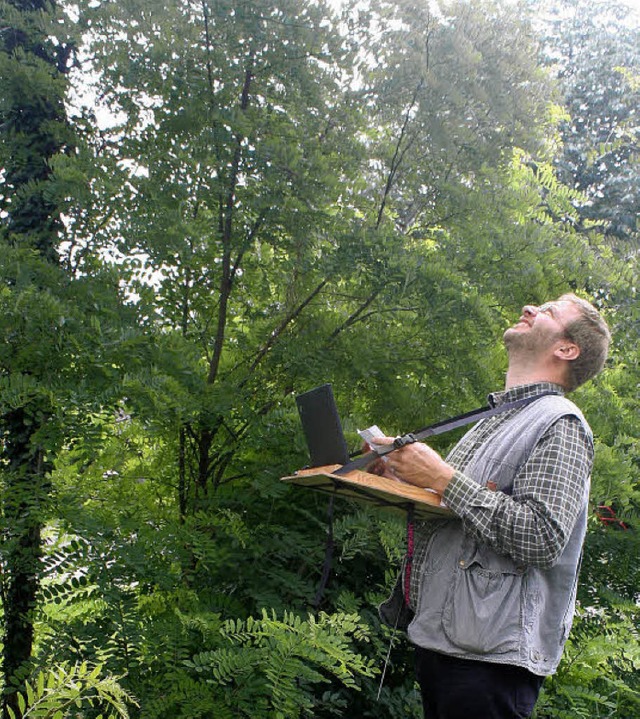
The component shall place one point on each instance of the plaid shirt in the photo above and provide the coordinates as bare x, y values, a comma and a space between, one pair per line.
534, 524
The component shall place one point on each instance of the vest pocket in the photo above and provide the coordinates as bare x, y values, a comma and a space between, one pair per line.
483, 609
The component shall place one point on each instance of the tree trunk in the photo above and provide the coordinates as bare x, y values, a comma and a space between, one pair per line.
34, 127
24, 502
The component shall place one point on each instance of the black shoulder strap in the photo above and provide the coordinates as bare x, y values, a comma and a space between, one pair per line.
439, 428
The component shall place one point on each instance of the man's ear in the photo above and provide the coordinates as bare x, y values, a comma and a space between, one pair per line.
566, 350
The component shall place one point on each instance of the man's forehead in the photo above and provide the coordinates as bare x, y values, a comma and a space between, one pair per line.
565, 307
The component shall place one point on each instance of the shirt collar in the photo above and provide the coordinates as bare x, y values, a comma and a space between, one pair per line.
523, 391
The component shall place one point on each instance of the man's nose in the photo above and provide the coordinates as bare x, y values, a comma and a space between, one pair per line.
530, 310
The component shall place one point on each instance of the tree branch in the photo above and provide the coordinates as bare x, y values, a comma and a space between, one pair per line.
275, 335
398, 154
353, 318
226, 223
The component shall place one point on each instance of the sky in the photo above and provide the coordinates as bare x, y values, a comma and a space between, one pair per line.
634, 5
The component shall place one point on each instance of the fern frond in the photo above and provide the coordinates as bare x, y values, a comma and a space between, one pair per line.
52, 693
281, 658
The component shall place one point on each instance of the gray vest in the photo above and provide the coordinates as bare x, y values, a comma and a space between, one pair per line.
478, 604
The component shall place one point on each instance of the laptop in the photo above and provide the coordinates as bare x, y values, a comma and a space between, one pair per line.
327, 446
321, 426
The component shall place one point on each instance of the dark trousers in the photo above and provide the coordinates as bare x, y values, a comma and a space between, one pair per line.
455, 688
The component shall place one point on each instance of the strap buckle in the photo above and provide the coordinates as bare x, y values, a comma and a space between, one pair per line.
400, 442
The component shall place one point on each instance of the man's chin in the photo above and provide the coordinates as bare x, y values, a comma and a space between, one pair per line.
513, 337
511, 332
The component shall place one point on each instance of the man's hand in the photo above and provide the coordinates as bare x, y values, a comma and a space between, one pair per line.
379, 466
416, 464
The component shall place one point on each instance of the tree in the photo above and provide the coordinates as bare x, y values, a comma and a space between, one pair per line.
34, 130
287, 198
593, 50
238, 162
52, 325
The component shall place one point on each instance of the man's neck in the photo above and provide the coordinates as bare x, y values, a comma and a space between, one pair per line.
515, 379
518, 375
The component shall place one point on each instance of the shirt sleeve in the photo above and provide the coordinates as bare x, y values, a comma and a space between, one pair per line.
534, 523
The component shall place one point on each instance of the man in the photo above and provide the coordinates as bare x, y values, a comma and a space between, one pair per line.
493, 590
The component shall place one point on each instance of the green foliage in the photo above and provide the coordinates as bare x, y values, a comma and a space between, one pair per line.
34, 53
282, 197
593, 49
274, 663
68, 690
599, 672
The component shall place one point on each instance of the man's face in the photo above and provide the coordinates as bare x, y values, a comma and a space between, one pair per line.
539, 328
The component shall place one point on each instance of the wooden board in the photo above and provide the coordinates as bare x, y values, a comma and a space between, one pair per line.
380, 491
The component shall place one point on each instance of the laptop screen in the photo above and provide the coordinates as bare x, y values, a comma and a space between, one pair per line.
321, 426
